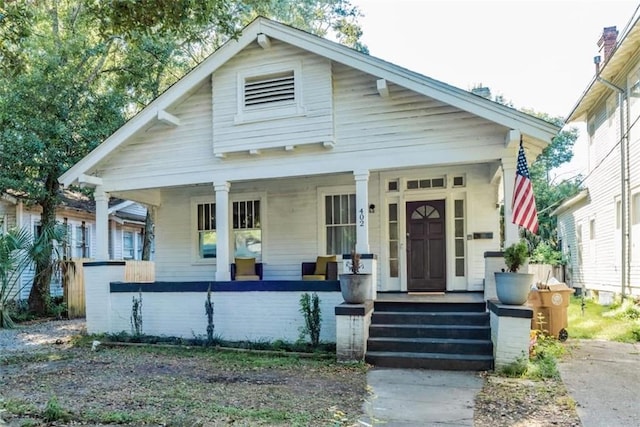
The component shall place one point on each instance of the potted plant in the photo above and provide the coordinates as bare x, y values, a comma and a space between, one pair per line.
355, 286
512, 287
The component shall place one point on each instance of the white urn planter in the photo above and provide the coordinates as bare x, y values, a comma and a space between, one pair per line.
513, 288
355, 287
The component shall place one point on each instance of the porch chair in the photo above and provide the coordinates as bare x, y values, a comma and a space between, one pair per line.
246, 269
325, 268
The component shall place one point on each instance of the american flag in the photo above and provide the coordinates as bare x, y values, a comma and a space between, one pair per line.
524, 203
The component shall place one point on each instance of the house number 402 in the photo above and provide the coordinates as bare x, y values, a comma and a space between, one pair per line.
361, 218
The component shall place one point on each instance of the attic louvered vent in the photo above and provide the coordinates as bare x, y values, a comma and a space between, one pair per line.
272, 89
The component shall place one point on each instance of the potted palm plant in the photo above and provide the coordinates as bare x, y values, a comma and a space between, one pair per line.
513, 287
355, 285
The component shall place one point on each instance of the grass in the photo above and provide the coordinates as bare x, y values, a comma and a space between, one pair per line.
617, 322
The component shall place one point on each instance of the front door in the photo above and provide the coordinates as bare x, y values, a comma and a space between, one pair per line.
426, 246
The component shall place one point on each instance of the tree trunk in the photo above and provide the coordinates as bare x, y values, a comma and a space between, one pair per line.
147, 235
40, 295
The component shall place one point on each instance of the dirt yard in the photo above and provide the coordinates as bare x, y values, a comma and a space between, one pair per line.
63, 386
45, 381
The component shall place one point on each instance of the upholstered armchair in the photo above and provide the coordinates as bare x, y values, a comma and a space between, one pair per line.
325, 268
246, 269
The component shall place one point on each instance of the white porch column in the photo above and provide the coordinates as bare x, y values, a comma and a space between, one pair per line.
362, 211
222, 231
102, 223
511, 230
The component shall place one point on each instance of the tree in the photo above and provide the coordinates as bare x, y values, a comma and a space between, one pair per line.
549, 195
72, 71
19, 250
545, 245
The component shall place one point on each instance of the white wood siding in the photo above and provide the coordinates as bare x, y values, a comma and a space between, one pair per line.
601, 257
163, 151
567, 233
7, 215
400, 131
403, 122
292, 223
135, 209
314, 126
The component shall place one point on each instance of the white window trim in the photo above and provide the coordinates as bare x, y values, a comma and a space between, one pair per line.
136, 243
234, 197
259, 114
195, 255
241, 197
321, 229
75, 238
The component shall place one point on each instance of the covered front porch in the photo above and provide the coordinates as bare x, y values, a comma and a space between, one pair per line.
426, 229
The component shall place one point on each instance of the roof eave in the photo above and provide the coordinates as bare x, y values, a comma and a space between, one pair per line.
534, 127
628, 44
571, 202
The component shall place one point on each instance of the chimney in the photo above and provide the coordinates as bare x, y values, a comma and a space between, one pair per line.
607, 42
482, 91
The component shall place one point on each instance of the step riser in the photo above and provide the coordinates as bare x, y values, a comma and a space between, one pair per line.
428, 307
461, 332
395, 318
440, 364
417, 325
484, 348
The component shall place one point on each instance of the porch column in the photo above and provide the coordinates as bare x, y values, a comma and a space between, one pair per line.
222, 231
102, 223
362, 211
511, 231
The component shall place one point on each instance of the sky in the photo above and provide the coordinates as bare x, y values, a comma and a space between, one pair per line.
537, 54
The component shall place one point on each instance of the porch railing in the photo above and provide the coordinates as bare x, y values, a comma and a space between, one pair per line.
73, 282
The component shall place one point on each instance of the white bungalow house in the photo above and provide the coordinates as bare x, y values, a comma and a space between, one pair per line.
600, 227
77, 212
284, 146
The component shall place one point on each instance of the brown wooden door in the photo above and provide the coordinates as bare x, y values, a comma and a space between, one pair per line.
426, 261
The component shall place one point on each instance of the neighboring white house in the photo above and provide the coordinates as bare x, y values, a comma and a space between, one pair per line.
77, 212
600, 227
284, 146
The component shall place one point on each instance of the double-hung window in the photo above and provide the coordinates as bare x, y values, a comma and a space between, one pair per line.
340, 223
128, 247
81, 241
207, 240
247, 229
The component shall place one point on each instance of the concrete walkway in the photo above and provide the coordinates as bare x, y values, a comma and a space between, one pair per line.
406, 397
603, 377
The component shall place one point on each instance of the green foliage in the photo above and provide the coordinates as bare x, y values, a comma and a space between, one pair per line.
516, 255
19, 251
601, 322
545, 254
72, 72
550, 194
515, 369
310, 309
542, 362
624, 309
54, 412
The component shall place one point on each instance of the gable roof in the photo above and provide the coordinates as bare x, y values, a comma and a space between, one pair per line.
536, 130
618, 60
